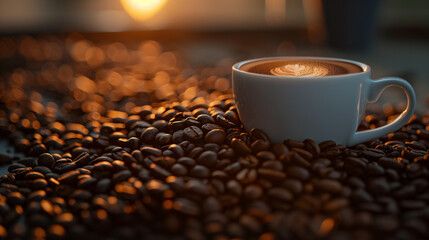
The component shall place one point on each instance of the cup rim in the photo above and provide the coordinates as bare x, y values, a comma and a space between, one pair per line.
365, 67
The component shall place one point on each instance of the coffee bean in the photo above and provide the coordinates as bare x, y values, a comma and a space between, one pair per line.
361, 195
186, 206
259, 134
386, 223
312, 147
121, 176
186, 161
177, 150
374, 169
298, 173
69, 177
211, 204
200, 171
148, 135
151, 151
215, 136
192, 133
39, 183
247, 175
327, 185
297, 159
272, 164
234, 187
42, 169
208, 127
379, 186
335, 205
195, 151
294, 144
126, 191
266, 155
240, 146
280, 194
252, 191
33, 175
159, 171
208, 159
87, 182
197, 187
271, 174
178, 169
405, 191
5, 158
102, 166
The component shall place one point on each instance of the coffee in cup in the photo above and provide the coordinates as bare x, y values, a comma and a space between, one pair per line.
312, 97
301, 68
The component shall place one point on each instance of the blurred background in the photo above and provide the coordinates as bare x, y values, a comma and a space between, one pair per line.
391, 36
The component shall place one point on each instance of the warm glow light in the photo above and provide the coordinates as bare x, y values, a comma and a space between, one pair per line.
142, 9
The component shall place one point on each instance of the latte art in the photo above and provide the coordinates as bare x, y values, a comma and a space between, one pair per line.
300, 70
305, 68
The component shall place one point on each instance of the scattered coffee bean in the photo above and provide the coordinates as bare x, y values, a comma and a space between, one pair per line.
183, 165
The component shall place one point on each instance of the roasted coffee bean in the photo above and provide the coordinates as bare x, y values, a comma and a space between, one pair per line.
148, 135
259, 134
197, 187
234, 187
294, 144
102, 167
293, 185
46, 160
186, 161
151, 151
335, 205
209, 127
271, 174
280, 194
247, 175
327, 185
39, 183
374, 169
192, 133
159, 171
33, 175
298, 160
128, 159
195, 151
178, 170
15, 166
279, 149
41, 169
69, 177
199, 171
379, 186
298, 173
208, 159
121, 175
177, 150
63, 167
211, 147
205, 118
240, 146
252, 191
215, 136
186, 206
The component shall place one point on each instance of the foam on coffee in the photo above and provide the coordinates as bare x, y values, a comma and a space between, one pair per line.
301, 68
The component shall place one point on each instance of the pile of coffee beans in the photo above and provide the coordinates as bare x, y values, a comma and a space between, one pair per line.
119, 143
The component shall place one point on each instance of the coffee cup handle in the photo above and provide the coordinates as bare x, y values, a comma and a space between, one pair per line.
376, 88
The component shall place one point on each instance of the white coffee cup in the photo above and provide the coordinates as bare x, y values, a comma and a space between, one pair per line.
319, 108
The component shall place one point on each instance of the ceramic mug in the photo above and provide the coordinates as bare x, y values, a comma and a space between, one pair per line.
319, 108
